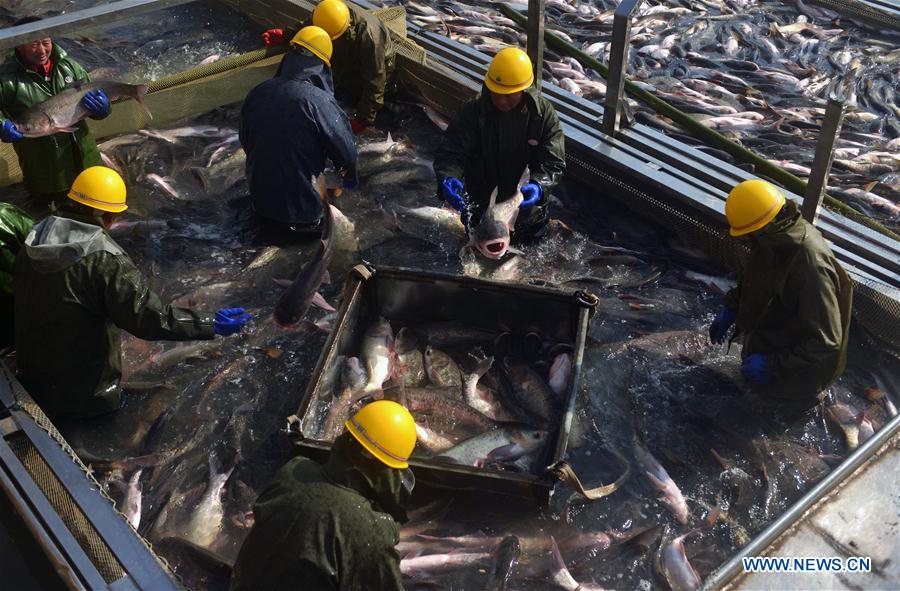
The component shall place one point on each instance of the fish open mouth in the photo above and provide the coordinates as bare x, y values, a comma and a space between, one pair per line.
495, 248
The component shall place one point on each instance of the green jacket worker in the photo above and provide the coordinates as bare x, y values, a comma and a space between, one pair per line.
31, 74
792, 305
75, 289
335, 526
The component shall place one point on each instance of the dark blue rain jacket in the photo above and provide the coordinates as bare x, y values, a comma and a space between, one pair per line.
289, 124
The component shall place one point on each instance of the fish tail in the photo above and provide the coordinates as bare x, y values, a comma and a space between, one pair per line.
139, 91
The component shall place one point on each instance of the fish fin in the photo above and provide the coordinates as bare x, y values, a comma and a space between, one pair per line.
139, 93
285, 283
502, 450
514, 250
320, 302
67, 129
868, 188
327, 277
493, 199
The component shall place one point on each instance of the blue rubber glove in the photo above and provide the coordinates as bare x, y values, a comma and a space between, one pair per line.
230, 321
719, 328
9, 132
96, 102
453, 193
756, 369
532, 193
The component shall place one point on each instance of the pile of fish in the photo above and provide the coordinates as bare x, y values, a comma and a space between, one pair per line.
468, 410
758, 72
198, 436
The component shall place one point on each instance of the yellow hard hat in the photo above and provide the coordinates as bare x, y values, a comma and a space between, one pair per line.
101, 188
510, 71
316, 40
751, 205
386, 430
333, 16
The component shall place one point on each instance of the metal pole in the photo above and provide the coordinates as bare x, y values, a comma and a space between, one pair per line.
821, 166
536, 39
758, 545
81, 19
618, 62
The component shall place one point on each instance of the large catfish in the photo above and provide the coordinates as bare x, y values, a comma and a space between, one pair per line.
303, 291
63, 111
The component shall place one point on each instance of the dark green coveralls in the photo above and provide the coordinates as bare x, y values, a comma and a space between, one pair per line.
51, 163
486, 149
326, 527
793, 304
14, 227
75, 289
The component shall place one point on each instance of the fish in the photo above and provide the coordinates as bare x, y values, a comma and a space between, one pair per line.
409, 358
437, 563
384, 149
530, 392
160, 362
484, 400
433, 224
719, 284
131, 504
445, 412
503, 444
164, 183
63, 111
205, 522
876, 394
454, 334
492, 234
441, 369
304, 290
560, 371
378, 354
848, 421
191, 131
560, 575
675, 566
505, 559
671, 494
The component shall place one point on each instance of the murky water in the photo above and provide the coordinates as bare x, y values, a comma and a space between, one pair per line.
649, 371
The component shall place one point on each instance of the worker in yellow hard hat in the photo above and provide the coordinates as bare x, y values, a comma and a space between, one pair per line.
792, 305
290, 124
363, 60
493, 138
335, 526
75, 290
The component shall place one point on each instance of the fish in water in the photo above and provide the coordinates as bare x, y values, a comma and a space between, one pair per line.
304, 290
505, 560
662, 481
205, 523
560, 575
504, 444
63, 111
131, 503
848, 421
674, 564
492, 234
434, 563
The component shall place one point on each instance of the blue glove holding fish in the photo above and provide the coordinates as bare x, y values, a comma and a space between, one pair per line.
453, 193
96, 102
532, 192
756, 369
230, 321
9, 132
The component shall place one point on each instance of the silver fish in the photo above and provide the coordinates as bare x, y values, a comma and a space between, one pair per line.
661, 480
378, 353
504, 444
492, 234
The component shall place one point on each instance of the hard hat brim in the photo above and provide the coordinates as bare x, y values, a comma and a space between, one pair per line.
382, 456
762, 221
102, 206
503, 89
313, 51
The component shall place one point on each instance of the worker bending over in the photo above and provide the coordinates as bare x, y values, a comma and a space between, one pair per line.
363, 59
792, 305
75, 289
493, 137
289, 125
335, 526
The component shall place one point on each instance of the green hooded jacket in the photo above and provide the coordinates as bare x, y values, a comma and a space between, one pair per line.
14, 227
793, 304
49, 164
362, 62
325, 527
487, 149
75, 289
